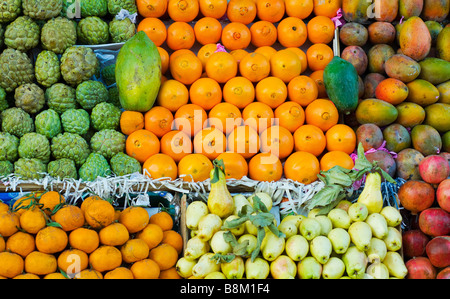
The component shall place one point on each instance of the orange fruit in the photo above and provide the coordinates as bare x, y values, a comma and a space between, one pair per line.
236, 167
134, 250
299, 8
23, 203
235, 36
270, 10
119, 273
225, 117
142, 144
115, 234
11, 264
70, 217
311, 139
87, 202
327, 8
39, 263
292, 32
194, 168
158, 120
152, 8
302, 90
206, 93
221, 66
155, 30
165, 255
319, 55
131, 121
164, 59
302, 167
72, 261
105, 258
55, 275
254, 66
286, 65
177, 53
172, 95
3, 207
174, 239
271, 91
258, 116
51, 240
322, 113
9, 223
242, 11
208, 30
302, 56
265, 167
170, 273
238, 91
317, 76
134, 218
152, 234
238, 54
278, 141
21, 243
145, 269
263, 33
244, 140
190, 119
176, 144
33, 220
341, 137
84, 239
160, 166
320, 30
183, 10
163, 220
180, 35
99, 214
205, 51
186, 68
336, 158
267, 51
50, 199
213, 8
290, 115
210, 142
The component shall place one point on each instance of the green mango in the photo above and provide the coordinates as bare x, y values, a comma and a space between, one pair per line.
435, 70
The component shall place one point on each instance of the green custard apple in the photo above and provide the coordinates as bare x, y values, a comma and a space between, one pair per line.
30, 169
9, 145
105, 116
22, 34
61, 97
93, 8
90, 93
42, 9
122, 164
95, 166
30, 97
109, 74
115, 6
16, 69
16, 122
71, 146
78, 64
48, 123
3, 100
108, 143
92, 31
76, 121
121, 30
113, 93
62, 169
59, 34
47, 69
34, 146
10, 10
6, 168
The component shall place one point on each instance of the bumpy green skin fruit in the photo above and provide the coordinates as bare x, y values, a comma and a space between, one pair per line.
108, 143
95, 166
76, 121
6, 168
47, 68
61, 97
105, 116
114, 6
114, 99
2, 34
78, 64
92, 31
30, 97
22, 34
62, 169
140, 57
90, 93
9, 145
42, 9
3, 100
29, 169
10, 10
71, 146
122, 164
93, 8
16, 69
121, 30
16, 122
109, 74
341, 82
34, 146
58, 35
48, 123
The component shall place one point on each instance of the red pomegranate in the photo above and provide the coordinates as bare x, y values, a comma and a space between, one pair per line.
443, 195
438, 251
416, 196
414, 243
444, 274
434, 222
434, 169
420, 268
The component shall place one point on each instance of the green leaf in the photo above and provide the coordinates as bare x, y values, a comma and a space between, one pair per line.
241, 248
219, 167
275, 231
259, 238
361, 162
230, 224
325, 196
262, 219
223, 258
336, 175
258, 205
386, 176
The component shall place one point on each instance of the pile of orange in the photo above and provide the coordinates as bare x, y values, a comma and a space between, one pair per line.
250, 104
42, 236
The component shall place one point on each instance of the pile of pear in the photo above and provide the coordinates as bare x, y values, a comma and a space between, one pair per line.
348, 242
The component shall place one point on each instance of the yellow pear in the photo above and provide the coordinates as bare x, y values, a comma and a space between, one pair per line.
208, 225
195, 211
184, 267
220, 201
205, 265
371, 195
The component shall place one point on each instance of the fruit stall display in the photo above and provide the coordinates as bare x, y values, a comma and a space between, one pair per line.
350, 105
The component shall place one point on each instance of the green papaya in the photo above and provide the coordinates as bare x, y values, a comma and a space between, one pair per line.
138, 73
341, 83
435, 70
